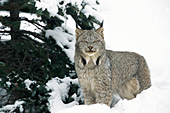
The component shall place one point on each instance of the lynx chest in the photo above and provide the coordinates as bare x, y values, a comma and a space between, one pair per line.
88, 79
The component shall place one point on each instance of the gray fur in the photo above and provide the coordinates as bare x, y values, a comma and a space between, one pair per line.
106, 75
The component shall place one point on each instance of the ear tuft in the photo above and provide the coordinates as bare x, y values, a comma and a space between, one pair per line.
101, 25
100, 31
78, 32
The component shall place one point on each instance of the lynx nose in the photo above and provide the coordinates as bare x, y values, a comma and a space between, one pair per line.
90, 47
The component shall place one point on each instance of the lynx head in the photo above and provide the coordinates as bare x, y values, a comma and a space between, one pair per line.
90, 42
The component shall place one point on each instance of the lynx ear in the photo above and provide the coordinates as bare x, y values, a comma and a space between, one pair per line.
78, 32
100, 30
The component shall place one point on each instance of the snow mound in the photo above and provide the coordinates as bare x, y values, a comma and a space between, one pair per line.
152, 100
96, 108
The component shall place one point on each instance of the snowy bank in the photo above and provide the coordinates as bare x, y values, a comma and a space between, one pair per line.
96, 108
153, 100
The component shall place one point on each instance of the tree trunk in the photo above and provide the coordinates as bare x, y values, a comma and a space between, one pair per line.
15, 23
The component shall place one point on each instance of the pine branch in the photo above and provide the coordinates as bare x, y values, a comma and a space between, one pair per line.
33, 22
7, 54
39, 36
5, 32
4, 7
26, 33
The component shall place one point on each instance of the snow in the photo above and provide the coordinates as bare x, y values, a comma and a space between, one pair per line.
96, 108
28, 83
3, 1
28, 26
51, 6
89, 11
60, 88
11, 108
152, 100
8, 84
65, 40
24, 24
5, 36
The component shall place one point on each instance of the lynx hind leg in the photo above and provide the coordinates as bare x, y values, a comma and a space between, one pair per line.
130, 89
144, 75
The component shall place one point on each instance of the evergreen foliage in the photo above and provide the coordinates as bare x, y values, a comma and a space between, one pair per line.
32, 56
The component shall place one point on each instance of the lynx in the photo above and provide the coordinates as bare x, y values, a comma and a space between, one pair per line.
106, 75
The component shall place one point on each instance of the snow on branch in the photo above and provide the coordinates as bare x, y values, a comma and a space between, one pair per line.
11, 108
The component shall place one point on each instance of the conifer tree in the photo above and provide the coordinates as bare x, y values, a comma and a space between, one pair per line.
31, 56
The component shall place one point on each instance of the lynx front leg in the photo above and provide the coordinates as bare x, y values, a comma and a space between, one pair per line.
103, 92
104, 97
89, 98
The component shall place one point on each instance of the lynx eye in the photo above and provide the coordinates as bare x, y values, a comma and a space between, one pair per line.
86, 41
95, 41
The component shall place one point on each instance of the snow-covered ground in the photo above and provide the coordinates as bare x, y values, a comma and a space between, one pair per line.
141, 26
